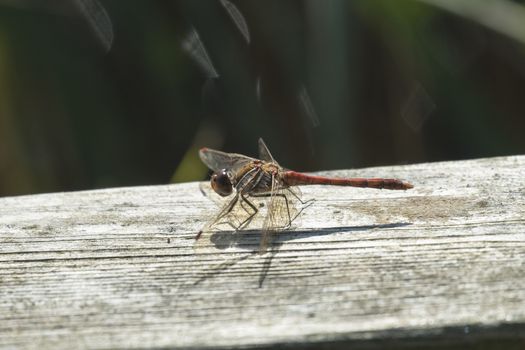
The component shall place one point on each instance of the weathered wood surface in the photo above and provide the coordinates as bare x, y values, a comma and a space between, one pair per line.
115, 268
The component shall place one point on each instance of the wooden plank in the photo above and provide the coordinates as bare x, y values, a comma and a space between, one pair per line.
441, 263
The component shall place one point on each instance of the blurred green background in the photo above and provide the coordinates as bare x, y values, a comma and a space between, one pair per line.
117, 93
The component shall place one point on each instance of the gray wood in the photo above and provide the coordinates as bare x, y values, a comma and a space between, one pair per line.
116, 268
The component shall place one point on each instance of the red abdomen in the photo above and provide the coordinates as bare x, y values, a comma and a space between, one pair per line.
293, 178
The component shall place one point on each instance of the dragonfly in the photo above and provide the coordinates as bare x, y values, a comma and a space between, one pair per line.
247, 180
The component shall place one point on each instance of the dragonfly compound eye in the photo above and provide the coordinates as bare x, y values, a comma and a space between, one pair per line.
221, 184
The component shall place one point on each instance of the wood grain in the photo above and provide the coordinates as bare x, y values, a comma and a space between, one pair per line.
116, 268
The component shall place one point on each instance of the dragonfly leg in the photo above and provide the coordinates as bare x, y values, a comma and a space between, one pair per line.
228, 209
309, 202
306, 204
247, 221
287, 210
290, 220
219, 217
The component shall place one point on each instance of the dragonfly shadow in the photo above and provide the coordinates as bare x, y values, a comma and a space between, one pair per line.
250, 239
227, 239
291, 235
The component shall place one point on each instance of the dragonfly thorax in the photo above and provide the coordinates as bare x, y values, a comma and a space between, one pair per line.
221, 183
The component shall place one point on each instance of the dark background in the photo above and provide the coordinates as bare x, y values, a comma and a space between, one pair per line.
116, 93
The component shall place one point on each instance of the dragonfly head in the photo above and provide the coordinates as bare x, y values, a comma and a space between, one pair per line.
221, 183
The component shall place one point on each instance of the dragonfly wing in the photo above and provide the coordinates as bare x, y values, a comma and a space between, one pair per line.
268, 227
209, 193
264, 152
235, 214
228, 218
217, 160
281, 211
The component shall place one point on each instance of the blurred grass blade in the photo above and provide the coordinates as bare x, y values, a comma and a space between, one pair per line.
194, 47
307, 107
502, 16
309, 116
98, 20
237, 18
91, 11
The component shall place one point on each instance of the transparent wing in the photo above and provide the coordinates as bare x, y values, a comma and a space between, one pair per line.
217, 160
209, 193
235, 214
264, 152
281, 209
224, 219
